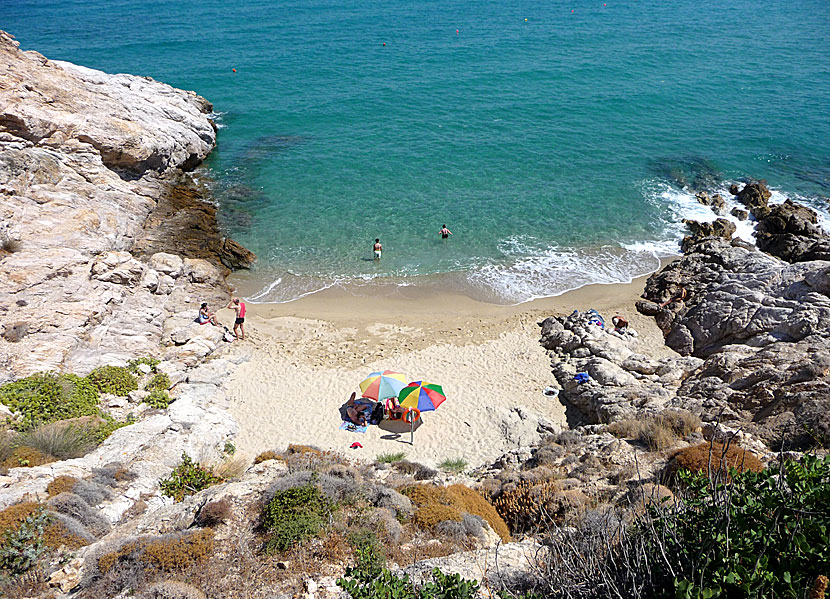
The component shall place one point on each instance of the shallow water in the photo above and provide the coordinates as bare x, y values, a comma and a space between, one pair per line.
560, 149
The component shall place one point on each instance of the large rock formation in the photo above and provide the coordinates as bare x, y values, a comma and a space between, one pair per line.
85, 159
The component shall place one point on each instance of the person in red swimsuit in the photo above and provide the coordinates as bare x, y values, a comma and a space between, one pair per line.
239, 307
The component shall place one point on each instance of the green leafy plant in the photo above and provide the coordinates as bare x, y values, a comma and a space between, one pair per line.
47, 397
113, 379
456, 466
761, 534
22, 546
158, 382
158, 399
294, 515
390, 458
133, 365
186, 479
229, 448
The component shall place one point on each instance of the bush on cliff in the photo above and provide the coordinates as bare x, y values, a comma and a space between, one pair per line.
113, 379
436, 504
47, 397
758, 534
293, 515
186, 479
712, 457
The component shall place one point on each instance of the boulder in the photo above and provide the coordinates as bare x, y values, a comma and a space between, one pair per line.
167, 264
791, 232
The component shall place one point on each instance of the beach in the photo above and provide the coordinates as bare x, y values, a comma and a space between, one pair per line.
304, 358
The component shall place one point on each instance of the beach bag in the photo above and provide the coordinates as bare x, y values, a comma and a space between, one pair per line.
377, 414
227, 335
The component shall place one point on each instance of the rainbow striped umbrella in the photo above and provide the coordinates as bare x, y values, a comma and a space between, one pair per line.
422, 395
382, 385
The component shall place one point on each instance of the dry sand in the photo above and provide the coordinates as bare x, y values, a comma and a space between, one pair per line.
307, 356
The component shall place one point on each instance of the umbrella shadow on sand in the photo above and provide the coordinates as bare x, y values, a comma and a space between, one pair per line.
397, 430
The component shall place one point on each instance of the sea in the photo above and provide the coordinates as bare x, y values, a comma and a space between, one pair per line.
561, 141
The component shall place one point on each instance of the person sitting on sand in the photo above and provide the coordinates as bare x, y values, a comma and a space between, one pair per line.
620, 323
239, 307
444, 232
678, 298
206, 316
359, 410
394, 409
377, 249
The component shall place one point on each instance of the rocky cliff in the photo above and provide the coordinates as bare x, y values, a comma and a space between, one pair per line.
86, 159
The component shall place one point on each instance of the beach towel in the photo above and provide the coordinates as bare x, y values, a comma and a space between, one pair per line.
352, 427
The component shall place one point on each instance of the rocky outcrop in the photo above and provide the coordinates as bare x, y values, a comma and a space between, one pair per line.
132, 123
791, 232
618, 381
721, 228
86, 160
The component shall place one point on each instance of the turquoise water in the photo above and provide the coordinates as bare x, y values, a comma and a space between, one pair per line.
555, 148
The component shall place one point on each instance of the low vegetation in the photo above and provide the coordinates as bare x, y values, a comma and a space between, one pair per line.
436, 504
186, 479
158, 382
455, 466
116, 380
390, 458
658, 432
159, 399
712, 457
293, 515
46, 397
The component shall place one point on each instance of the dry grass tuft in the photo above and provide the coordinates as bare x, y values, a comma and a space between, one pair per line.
62, 484
213, 513
55, 536
658, 432
436, 504
530, 505
27, 457
699, 458
267, 455
230, 468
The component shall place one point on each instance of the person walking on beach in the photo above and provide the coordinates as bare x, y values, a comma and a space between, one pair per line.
240, 308
377, 249
445, 232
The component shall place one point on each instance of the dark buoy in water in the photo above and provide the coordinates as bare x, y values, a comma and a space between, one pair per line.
384, 43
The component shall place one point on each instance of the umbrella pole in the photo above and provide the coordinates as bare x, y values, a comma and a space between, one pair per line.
412, 432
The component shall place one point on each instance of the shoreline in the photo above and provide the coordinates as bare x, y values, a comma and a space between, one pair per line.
307, 356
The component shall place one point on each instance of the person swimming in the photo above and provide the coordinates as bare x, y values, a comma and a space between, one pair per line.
377, 249
445, 232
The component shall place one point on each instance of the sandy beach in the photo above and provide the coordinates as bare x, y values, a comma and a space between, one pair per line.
306, 357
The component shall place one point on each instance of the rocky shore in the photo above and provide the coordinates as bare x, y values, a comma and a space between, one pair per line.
104, 237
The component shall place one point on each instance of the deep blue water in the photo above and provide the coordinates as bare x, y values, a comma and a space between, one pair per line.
553, 138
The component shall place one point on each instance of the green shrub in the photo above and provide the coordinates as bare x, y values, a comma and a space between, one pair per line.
186, 479
293, 515
113, 379
22, 545
390, 458
159, 382
158, 399
133, 365
763, 534
47, 397
456, 466
229, 448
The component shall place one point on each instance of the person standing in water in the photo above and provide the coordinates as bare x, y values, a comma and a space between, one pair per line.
445, 232
239, 307
377, 248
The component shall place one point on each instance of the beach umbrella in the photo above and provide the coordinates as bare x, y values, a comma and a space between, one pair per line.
382, 385
422, 395
417, 397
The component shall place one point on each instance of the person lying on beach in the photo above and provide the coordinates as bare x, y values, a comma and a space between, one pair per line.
620, 323
206, 316
359, 410
678, 298
444, 232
